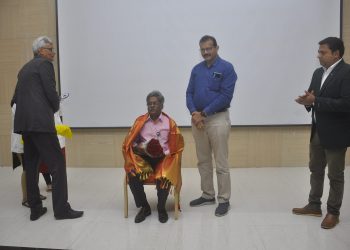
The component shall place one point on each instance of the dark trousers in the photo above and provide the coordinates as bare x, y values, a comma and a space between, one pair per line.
138, 191
45, 147
319, 158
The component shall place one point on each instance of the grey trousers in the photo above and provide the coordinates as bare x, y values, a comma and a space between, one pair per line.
319, 158
213, 140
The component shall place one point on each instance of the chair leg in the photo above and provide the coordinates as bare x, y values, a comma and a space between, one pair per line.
176, 194
126, 202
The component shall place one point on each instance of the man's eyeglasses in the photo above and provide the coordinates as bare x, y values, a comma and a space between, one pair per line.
153, 104
206, 49
51, 49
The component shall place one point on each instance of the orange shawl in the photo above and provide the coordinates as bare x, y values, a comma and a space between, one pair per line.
168, 170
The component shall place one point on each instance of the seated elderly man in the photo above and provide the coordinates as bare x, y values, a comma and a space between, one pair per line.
152, 151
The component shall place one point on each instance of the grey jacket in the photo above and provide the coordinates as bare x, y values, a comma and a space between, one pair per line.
36, 97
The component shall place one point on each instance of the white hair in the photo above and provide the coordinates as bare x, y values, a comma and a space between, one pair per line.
40, 42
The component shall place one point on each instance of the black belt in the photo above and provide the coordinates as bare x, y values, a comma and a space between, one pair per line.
222, 110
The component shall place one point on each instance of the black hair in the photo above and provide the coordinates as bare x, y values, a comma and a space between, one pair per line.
334, 44
208, 38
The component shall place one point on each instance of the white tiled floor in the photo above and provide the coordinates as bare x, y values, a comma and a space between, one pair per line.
260, 217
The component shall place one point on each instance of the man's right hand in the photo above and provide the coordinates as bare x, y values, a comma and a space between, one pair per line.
139, 149
198, 119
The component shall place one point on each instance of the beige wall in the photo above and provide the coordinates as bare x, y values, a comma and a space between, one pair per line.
21, 21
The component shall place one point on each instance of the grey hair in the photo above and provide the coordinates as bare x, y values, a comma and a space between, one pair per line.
156, 93
39, 43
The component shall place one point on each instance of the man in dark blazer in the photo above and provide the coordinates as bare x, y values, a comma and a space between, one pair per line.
328, 97
36, 101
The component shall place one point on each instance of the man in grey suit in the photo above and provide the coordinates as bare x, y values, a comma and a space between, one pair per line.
36, 101
328, 97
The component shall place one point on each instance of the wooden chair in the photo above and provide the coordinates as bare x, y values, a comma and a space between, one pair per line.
147, 182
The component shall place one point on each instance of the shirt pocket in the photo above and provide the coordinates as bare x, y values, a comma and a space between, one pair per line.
215, 84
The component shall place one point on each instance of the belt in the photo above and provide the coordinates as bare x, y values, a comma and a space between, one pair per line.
222, 110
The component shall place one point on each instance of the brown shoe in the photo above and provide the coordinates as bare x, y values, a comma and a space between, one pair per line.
330, 221
307, 211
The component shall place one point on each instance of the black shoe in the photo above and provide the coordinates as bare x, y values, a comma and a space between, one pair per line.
70, 214
163, 215
142, 214
202, 201
222, 209
36, 213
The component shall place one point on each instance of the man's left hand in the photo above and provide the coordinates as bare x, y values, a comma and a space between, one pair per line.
307, 99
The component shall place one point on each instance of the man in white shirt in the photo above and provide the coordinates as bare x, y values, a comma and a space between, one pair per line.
328, 97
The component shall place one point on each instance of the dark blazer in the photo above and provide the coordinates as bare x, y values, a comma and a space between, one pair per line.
331, 109
36, 97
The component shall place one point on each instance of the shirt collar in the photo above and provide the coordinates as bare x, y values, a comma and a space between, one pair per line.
160, 118
216, 61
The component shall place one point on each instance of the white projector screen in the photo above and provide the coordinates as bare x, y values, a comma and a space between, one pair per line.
112, 53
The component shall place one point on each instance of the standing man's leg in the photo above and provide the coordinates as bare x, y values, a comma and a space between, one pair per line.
336, 166
218, 127
317, 165
31, 159
205, 166
219, 132
50, 153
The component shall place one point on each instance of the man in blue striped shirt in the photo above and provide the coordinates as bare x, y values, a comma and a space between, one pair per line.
208, 97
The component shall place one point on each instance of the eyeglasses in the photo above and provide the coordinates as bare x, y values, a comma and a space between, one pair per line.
157, 103
51, 49
207, 49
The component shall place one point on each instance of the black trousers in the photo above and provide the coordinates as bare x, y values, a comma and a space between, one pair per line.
45, 147
138, 191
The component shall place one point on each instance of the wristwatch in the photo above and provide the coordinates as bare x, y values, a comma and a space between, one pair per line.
203, 114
